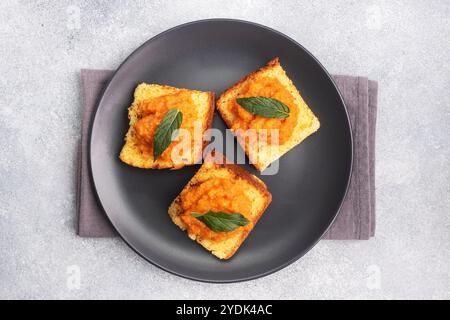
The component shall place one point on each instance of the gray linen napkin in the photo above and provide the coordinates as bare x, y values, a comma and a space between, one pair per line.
356, 219
92, 221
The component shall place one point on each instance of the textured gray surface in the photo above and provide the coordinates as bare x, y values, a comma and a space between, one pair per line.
405, 45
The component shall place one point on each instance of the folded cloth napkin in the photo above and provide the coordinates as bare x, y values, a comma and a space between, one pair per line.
356, 219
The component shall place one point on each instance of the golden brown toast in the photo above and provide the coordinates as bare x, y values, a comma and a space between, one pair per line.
132, 152
303, 120
254, 192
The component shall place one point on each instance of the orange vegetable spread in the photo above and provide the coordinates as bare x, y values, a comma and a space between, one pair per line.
152, 111
270, 88
215, 194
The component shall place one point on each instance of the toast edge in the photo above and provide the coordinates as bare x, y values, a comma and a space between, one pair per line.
157, 165
272, 63
175, 210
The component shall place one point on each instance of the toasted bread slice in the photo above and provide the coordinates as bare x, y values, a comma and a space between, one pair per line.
254, 189
203, 105
306, 122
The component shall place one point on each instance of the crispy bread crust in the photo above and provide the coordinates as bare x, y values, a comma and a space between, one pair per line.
237, 172
299, 135
258, 184
132, 113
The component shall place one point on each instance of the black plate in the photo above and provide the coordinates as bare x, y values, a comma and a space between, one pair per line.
307, 191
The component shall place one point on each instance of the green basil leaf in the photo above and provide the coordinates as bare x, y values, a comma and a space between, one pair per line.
221, 221
163, 135
264, 107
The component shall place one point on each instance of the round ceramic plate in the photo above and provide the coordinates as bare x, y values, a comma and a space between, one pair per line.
307, 191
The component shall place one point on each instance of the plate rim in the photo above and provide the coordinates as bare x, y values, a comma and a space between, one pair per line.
90, 147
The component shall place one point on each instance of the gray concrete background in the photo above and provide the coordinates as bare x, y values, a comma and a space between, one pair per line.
405, 45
